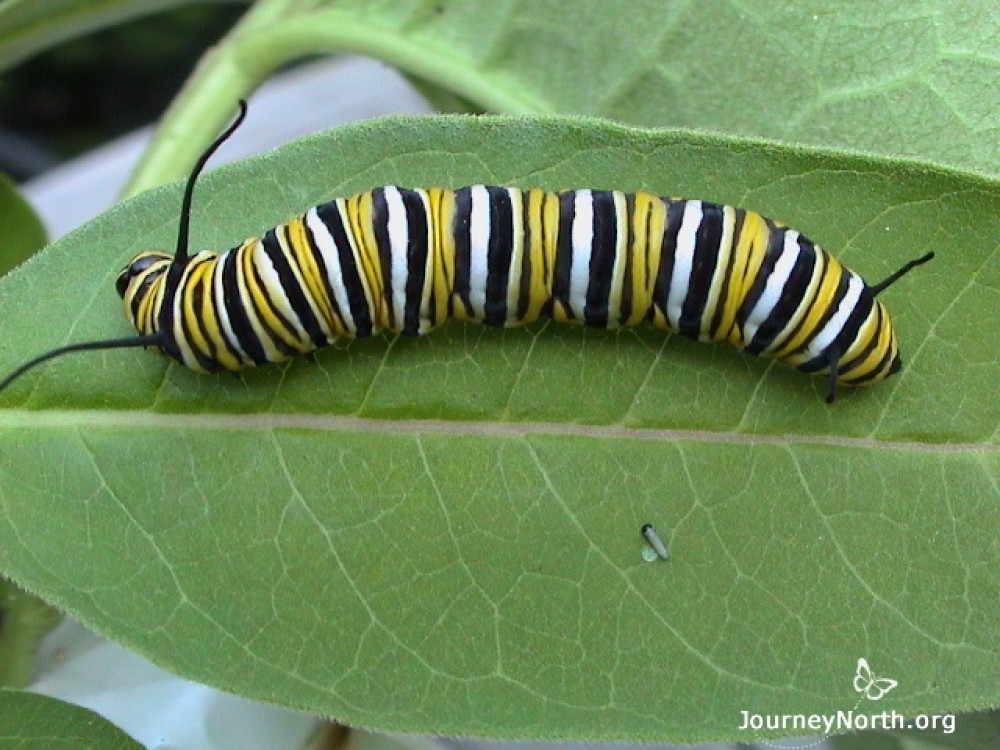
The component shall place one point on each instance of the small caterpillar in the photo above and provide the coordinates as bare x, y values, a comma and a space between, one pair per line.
407, 260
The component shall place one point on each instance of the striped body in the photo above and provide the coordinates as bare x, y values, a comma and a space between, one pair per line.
408, 260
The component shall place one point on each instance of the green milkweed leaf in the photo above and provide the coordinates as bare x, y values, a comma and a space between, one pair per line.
29, 721
442, 534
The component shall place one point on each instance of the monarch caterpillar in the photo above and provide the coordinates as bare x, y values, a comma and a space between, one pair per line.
407, 260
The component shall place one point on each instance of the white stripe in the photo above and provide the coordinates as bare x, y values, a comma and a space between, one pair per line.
822, 340
723, 256
285, 241
479, 248
820, 264
398, 241
331, 259
275, 291
775, 284
424, 324
516, 254
218, 292
583, 238
680, 278
183, 342
621, 255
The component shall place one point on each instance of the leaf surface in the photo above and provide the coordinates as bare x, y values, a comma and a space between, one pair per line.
37, 722
442, 534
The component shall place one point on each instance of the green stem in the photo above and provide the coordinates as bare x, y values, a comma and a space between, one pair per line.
262, 42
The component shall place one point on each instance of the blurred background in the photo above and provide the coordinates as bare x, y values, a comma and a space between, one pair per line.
67, 101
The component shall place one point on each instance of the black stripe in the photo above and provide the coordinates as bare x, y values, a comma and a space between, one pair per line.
790, 300
145, 287
350, 274
675, 215
727, 279
603, 251
218, 311
324, 272
818, 363
416, 260
501, 248
848, 333
296, 295
239, 321
192, 295
564, 251
775, 244
462, 235
279, 343
849, 365
380, 223
705, 258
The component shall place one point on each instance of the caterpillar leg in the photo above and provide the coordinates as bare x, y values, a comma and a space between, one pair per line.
833, 359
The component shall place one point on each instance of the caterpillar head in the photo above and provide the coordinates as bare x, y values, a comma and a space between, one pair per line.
143, 285
875, 355
140, 284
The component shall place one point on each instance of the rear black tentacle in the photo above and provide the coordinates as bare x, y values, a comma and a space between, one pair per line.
897, 275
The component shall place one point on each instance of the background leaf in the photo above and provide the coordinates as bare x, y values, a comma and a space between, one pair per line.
442, 534
912, 79
29, 721
20, 227
28, 27
24, 621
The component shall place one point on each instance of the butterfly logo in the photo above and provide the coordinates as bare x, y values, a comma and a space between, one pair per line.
873, 687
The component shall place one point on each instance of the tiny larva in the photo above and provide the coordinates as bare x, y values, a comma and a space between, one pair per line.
407, 260
651, 536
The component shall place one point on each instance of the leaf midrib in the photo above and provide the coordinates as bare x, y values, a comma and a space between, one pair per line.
28, 419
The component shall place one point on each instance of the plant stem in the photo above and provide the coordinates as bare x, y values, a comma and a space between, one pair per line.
263, 41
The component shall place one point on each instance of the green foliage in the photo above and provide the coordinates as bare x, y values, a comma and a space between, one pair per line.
442, 534
24, 620
28, 27
20, 227
976, 731
37, 722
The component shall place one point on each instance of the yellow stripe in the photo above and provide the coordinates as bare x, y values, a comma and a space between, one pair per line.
725, 253
258, 304
885, 343
819, 269
304, 256
751, 248
815, 307
358, 217
442, 203
622, 251
425, 313
517, 252
648, 224
210, 321
540, 222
